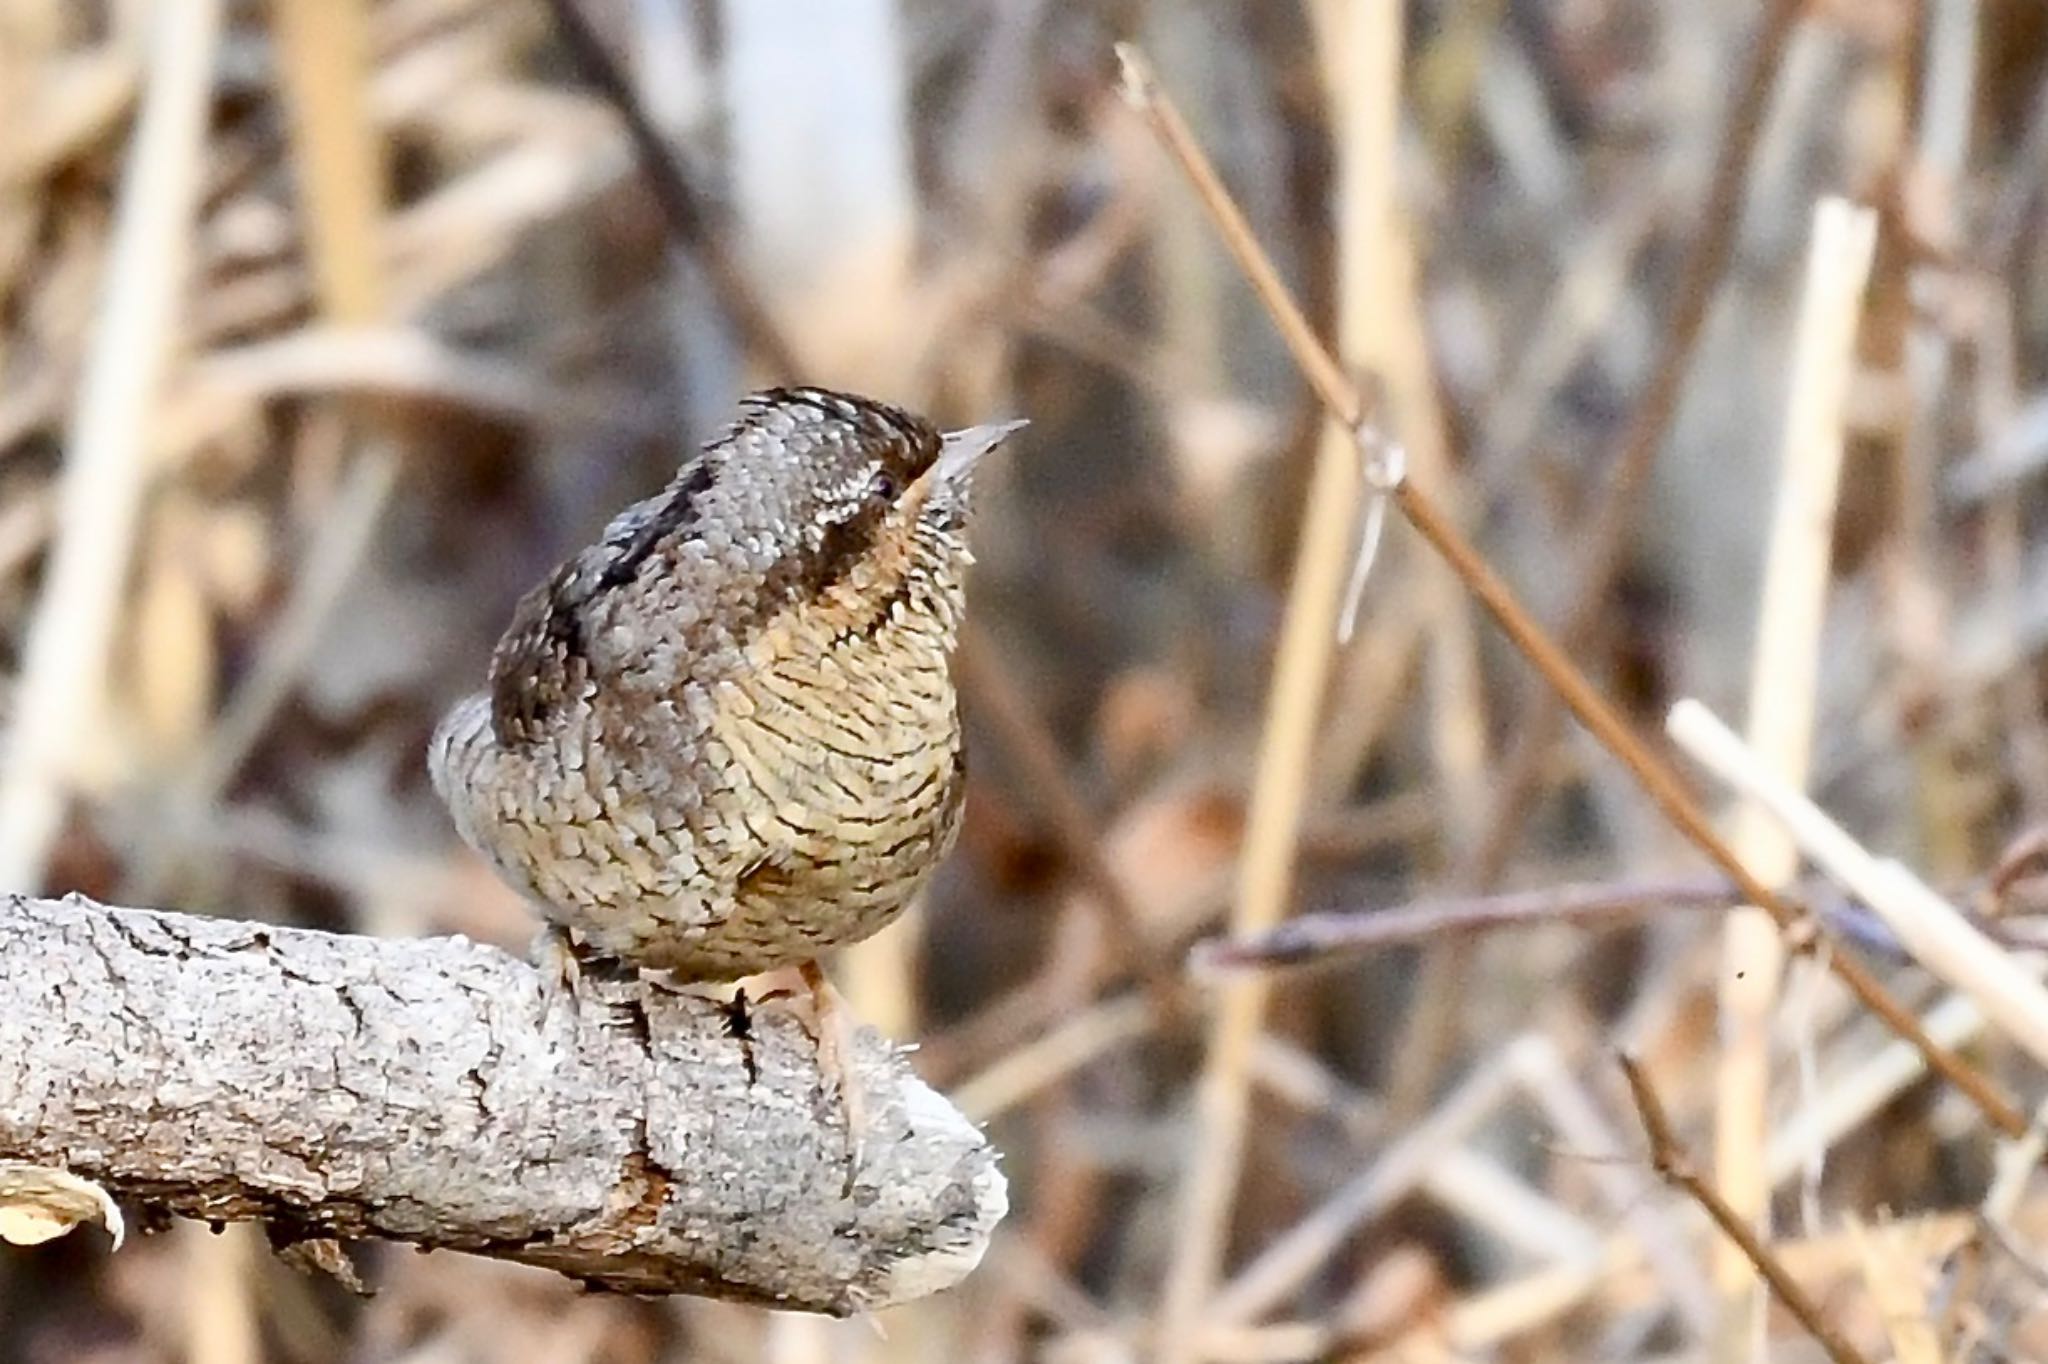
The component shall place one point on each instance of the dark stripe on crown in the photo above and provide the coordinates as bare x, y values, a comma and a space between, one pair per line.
906, 443
676, 512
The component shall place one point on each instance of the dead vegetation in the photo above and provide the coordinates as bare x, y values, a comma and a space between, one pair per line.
329, 326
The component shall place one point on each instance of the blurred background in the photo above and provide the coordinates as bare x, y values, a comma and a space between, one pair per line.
329, 326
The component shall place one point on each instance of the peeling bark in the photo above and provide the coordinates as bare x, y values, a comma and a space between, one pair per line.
348, 1087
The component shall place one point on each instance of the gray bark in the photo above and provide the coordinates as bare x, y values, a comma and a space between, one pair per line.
424, 1091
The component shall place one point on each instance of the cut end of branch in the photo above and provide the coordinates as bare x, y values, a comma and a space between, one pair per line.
39, 1203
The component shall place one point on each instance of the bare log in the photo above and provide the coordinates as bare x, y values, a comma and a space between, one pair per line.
424, 1091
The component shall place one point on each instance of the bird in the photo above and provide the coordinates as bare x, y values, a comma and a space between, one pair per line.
724, 740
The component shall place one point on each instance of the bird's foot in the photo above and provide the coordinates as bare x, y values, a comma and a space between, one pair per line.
567, 969
561, 969
835, 1060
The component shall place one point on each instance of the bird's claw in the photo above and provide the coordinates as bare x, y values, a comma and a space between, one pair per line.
561, 968
835, 1063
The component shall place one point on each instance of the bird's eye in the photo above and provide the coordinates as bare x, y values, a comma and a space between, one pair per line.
883, 486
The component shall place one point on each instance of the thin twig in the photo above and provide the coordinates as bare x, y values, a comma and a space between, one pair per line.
1669, 1160
1332, 938
1554, 1087
681, 204
1652, 774
1669, 794
1142, 90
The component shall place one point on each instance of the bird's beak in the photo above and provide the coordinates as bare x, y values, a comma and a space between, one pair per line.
962, 450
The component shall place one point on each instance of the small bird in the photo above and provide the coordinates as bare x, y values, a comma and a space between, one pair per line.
725, 739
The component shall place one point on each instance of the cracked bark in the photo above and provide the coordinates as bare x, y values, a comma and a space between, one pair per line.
420, 1090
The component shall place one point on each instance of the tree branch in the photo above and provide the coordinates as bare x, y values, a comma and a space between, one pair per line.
348, 1087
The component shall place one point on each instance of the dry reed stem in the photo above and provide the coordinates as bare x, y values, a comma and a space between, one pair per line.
1485, 1195
219, 1321
1782, 697
1895, 1278
1590, 289
1043, 1284
1533, 1300
347, 530
1472, 1185
1289, 1259
1655, 777
100, 493
395, 364
1381, 332
1304, 1081
1934, 931
1674, 1168
2013, 1169
1017, 1075
323, 51
1273, 818
1485, 1319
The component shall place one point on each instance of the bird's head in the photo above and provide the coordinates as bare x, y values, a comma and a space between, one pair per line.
868, 503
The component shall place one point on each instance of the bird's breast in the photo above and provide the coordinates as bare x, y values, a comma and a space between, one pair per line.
839, 755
